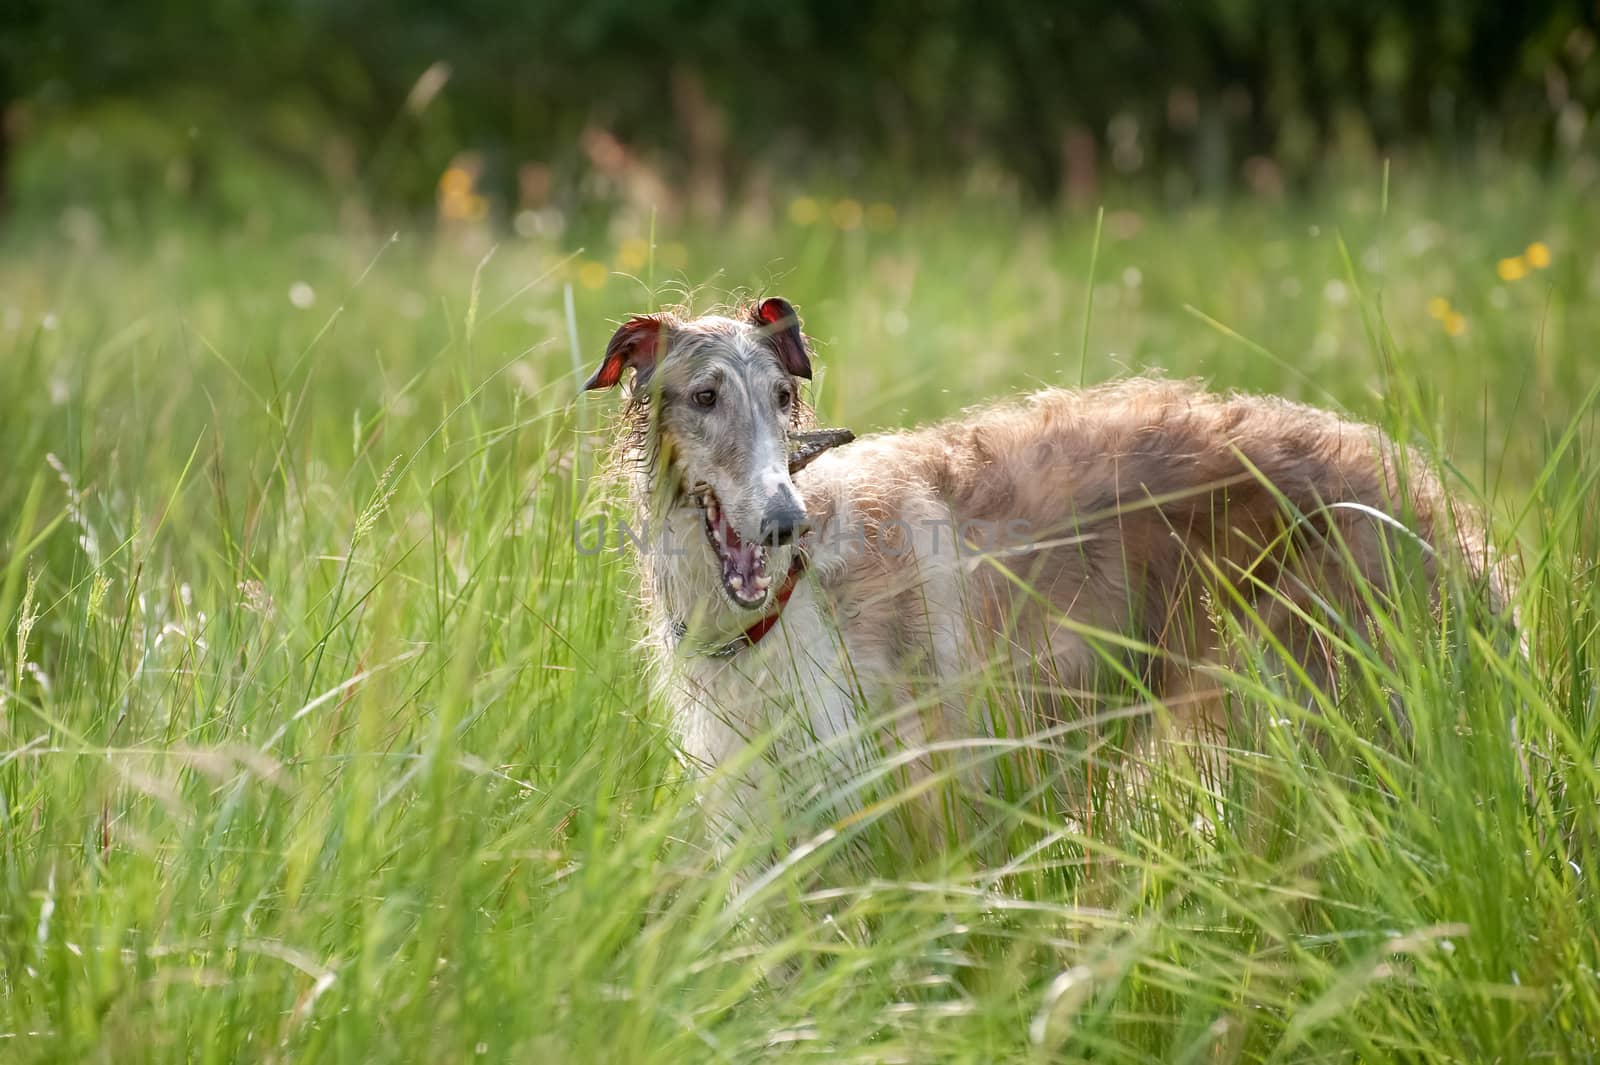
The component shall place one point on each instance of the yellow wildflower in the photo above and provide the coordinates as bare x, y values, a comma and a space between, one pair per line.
881, 216
633, 254
675, 255
593, 275
847, 214
1455, 323
457, 199
1439, 307
803, 210
455, 182
1513, 269
1537, 255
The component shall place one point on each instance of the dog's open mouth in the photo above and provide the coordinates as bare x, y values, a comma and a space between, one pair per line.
743, 565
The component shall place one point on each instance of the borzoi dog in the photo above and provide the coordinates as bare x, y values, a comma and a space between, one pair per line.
799, 587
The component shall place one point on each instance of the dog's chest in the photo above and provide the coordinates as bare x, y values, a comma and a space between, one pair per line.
794, 686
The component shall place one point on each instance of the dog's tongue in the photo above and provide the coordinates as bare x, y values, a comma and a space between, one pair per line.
744, 566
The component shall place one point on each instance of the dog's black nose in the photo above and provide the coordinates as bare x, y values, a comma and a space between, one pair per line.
782, 526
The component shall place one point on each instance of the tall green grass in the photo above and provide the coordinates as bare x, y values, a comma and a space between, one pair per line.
322, 742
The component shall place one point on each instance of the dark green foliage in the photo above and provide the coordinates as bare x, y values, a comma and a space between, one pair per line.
1191, 97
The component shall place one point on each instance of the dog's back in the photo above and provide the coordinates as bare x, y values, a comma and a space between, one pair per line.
1145, 509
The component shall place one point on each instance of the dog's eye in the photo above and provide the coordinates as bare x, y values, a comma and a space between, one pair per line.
706, 397
785, 397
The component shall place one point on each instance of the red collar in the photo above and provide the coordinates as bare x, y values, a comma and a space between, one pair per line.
754, 633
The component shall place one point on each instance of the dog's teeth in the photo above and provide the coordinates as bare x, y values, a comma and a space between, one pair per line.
763, 582
713, 512
736, 583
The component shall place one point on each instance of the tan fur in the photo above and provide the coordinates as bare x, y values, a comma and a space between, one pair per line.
1118, 529
1151, 491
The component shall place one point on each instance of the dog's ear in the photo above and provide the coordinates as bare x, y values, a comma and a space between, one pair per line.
778, 320
638, 342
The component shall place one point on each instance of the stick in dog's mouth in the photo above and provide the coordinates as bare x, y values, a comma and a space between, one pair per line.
805, 447
744, 564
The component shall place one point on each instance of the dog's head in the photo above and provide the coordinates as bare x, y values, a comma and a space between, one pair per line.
719, 398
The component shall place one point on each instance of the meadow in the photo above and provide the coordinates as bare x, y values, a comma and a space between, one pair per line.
320, 740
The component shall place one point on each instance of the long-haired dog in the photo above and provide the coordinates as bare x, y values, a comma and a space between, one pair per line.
819, 594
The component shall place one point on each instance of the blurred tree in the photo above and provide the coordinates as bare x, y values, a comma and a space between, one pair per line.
376, 97
20, 22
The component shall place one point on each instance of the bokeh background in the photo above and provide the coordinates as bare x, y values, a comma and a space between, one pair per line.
320, 740
540, 116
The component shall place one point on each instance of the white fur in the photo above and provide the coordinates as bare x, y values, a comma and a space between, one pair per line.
789, 719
